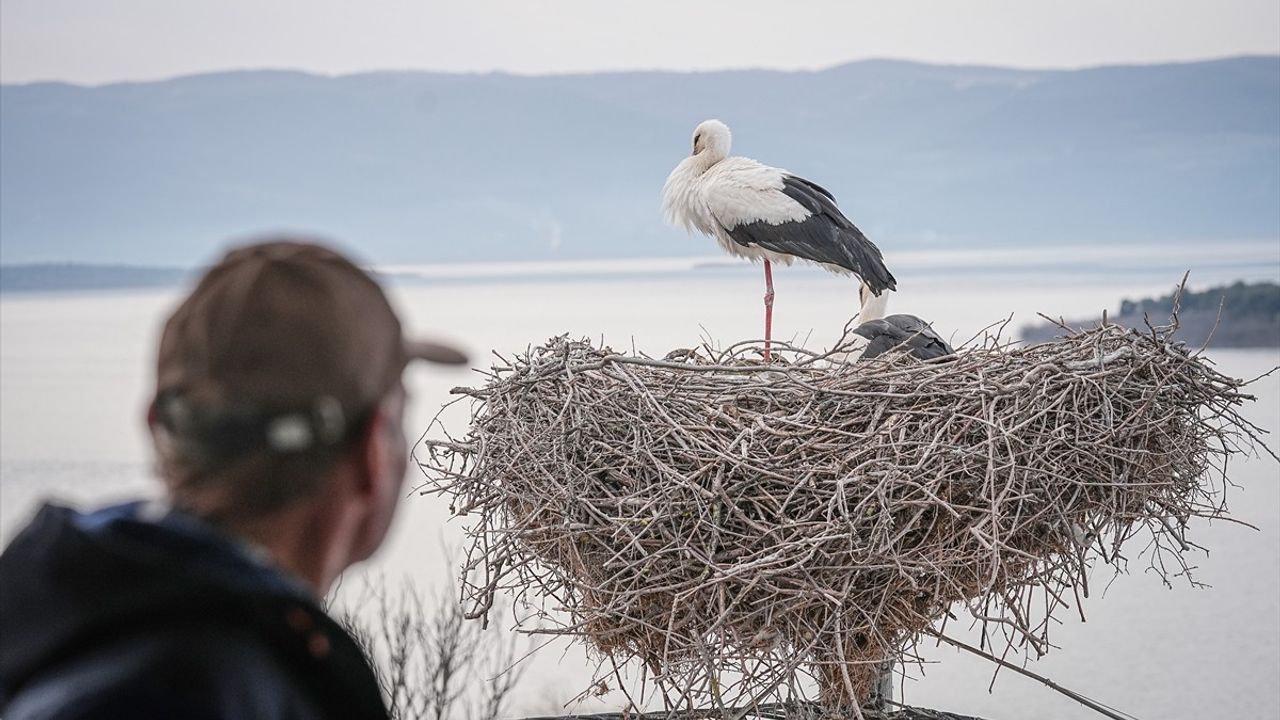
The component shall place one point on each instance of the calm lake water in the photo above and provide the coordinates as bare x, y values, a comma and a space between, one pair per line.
75, 370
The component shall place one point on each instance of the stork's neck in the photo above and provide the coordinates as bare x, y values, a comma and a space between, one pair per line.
702, 162
873, 306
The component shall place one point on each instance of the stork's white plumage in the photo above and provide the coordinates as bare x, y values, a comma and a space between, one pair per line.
764, 213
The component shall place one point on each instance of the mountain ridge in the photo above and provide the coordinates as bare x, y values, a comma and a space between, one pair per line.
871, 61
416, 166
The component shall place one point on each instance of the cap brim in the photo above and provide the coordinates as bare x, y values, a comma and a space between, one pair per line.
434, 352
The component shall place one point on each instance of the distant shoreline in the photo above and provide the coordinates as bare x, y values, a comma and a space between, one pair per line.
1243, 260
73, 277
1241, 315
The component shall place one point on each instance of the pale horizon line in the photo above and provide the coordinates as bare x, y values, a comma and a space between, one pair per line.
1259, 249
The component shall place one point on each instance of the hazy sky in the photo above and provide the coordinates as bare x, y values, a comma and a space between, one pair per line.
95, 41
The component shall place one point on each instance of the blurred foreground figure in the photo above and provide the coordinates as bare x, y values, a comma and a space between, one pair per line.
277, 424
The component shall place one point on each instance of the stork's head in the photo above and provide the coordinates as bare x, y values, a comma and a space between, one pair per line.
711, 140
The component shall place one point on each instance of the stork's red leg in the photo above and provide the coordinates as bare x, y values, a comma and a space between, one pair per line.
768, 308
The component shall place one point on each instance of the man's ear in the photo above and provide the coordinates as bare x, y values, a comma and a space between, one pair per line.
381, 453
371, 453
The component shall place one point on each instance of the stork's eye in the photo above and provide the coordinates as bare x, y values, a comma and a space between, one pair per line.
696, 138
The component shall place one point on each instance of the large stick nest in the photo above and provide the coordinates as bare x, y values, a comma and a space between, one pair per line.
751, 531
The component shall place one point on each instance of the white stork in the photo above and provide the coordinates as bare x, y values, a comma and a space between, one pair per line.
764, 213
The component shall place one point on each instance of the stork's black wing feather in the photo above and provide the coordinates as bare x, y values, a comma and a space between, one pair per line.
826, 236
905, 333
812, 186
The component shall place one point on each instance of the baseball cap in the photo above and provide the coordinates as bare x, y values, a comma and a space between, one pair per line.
284, 344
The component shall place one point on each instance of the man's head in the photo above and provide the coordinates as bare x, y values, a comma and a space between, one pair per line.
279, 373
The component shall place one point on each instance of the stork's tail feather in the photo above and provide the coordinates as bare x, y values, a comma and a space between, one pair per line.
869, 264
885, 281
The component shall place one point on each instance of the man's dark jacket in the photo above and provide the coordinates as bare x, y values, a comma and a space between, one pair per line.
134, 612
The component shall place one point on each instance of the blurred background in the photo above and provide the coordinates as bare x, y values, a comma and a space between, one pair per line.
500, 163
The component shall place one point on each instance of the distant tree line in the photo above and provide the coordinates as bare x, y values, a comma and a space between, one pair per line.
1238, 315
1241, 300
